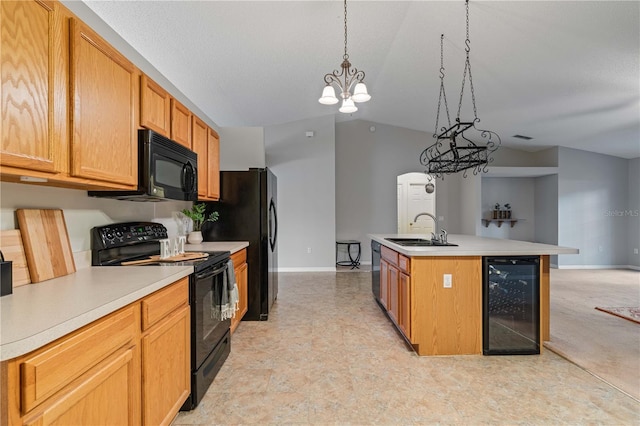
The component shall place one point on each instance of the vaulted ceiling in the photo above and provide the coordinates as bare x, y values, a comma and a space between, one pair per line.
563, 73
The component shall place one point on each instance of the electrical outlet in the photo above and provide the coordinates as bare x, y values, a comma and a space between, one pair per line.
308, 250
447, 281
440, 218
635, 251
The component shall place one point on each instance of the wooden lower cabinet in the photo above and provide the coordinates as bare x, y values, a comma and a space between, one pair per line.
241, 269
108, 394
404, 290
118, 370
165, 370
384, 283
434, 319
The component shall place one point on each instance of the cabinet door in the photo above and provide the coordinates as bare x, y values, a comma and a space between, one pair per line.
180, 123
213, 174
394, 293
384, 283
243, 304
107, 394
405, 305
155, 106
199, 141
166, 365
104, 92
34, 78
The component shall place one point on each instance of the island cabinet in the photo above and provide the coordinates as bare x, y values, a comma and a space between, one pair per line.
435, 319
396, 290
130, 367
69, 101
241, 270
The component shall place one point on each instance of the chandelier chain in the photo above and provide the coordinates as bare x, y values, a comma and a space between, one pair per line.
467, 69
346, 55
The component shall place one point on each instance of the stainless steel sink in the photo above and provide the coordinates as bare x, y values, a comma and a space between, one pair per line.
419, 242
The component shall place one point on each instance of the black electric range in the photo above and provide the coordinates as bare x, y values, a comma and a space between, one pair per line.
112, 245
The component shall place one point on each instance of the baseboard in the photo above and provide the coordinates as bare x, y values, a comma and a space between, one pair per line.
309, 269
599, 267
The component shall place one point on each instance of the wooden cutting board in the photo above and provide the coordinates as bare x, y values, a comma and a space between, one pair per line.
46, 243
13, 250
156, 258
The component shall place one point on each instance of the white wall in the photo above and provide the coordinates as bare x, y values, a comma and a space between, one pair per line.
81, 212
592, 188
367, 166
520, 194
241, 148
633, 216
306, 172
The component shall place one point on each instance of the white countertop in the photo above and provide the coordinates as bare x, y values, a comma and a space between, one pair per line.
232, 246
469, 245
37, 314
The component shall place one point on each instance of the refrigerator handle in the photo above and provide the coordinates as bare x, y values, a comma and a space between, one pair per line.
274, 236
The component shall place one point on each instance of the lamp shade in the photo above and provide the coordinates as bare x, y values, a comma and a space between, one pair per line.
360, 93
328, 96
348, 106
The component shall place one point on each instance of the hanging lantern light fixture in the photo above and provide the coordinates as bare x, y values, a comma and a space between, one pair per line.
345, 79
455, 149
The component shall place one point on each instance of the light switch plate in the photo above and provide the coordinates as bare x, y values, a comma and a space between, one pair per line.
447, 281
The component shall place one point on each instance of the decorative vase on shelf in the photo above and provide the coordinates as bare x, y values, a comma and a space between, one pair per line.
195, 237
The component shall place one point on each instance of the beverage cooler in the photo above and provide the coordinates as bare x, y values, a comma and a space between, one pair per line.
511, 305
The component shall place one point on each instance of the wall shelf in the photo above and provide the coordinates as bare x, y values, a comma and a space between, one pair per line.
499, 222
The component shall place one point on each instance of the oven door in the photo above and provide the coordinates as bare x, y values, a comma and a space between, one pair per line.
207, 327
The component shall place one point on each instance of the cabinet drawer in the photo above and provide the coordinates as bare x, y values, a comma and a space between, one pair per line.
389, 255
404, 263
49, 369
239, 257
163, 302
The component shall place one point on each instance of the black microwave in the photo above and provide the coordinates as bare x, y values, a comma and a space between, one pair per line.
166, 171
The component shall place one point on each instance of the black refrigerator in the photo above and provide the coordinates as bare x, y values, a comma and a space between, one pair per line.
248, 212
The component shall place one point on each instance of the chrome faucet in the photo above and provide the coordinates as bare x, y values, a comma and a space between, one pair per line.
435, 222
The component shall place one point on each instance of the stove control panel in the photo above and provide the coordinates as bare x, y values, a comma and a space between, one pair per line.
124, 234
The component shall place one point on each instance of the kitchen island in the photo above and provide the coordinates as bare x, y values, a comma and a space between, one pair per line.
433, 294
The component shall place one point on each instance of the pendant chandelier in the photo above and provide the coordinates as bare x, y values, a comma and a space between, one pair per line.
345, 78
455, 150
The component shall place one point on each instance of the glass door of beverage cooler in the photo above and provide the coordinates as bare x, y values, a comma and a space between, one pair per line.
511, 305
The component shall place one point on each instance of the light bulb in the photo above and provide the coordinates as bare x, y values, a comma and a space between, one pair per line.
328, 96
348, 106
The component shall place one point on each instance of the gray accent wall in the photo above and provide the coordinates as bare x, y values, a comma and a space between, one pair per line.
306, 172
367, 165
593, 191
633, 217
546, 211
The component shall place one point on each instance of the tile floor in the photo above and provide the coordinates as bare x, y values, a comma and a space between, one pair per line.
328, 355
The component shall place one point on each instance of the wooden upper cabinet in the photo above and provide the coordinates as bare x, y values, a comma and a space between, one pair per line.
180, 124
213, 157
34, 80
155, 107
104, 95
199, 141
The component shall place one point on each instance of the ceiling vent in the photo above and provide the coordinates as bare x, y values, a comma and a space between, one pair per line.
526, 138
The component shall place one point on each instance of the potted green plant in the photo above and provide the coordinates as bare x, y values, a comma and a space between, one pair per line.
496, 211
197, 216
507, 212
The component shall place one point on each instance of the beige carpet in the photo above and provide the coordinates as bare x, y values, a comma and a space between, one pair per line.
603, 344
